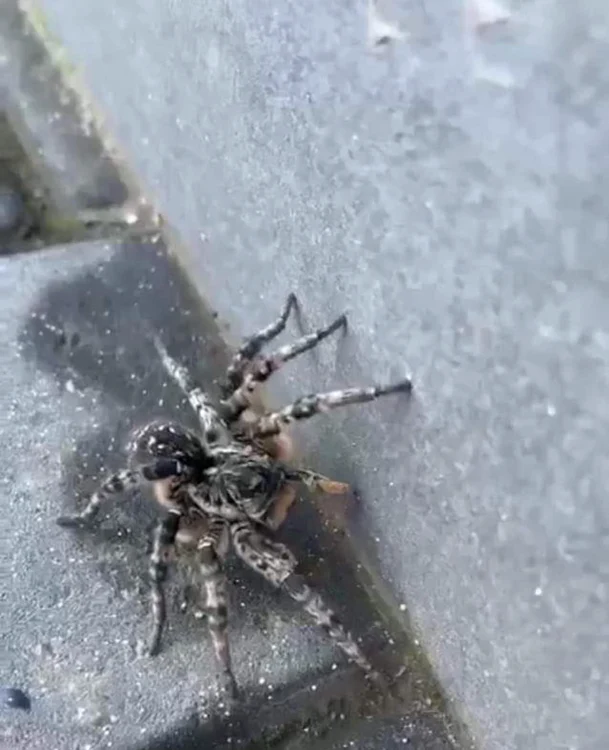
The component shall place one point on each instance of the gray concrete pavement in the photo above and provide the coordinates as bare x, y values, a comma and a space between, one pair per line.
78, 371
453, 199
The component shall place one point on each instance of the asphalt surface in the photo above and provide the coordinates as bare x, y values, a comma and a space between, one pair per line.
450, 192
79, 371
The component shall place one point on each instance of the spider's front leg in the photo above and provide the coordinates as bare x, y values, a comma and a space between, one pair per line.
210, 550
164, 539
275, 562
240, 399
253, 345
123, 481
318, 403
211, 425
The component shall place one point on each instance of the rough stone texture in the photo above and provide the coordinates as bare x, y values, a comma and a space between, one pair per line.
453, 197
78, 371
58, 140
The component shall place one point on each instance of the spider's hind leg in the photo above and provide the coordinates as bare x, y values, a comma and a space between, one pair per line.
253, 345
216, 601
275, 562
312, 602
164, 539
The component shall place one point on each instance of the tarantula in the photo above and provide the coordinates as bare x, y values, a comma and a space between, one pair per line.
219, 488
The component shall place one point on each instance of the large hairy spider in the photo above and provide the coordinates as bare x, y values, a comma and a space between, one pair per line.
219, 488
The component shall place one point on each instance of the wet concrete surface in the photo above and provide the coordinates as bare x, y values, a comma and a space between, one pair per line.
78, 371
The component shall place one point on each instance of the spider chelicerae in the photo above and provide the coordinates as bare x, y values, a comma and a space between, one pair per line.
220, 488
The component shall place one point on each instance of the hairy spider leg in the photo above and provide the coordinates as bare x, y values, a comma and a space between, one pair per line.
216, 599
123, 481
252, 346
198, 399
316, 403
275, 562
164, 539
239, 401
297, 587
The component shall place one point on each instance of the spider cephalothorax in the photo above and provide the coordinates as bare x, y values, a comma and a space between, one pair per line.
221, 488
